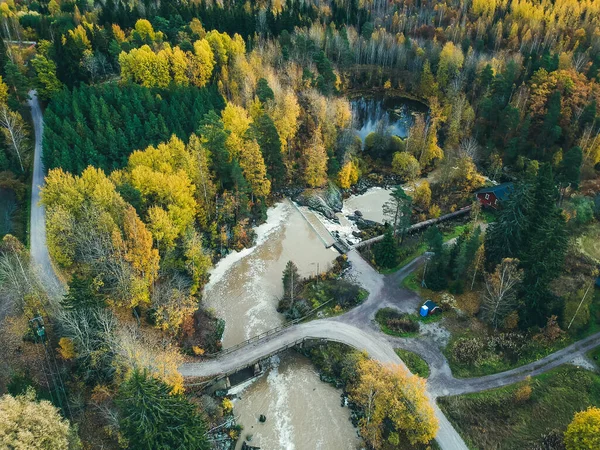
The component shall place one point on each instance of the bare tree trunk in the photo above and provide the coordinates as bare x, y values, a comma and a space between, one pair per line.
15, 132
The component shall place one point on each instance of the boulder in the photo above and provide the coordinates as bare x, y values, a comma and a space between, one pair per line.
327, 200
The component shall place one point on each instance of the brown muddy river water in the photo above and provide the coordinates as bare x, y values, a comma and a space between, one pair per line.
302, 412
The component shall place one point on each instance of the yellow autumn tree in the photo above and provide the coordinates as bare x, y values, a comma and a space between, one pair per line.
138, 250
391, 397
143, 66
203, 179
348, 175
69, 200
406, 166
237, 121
201, 63
315, 162
197, 260
162, 228
32, 425
285, 113
178, 65
162, 175
422, 195
583, 433
254, 168
149, 351
145, 30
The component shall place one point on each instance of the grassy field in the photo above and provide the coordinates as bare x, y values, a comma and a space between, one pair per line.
589, 242
414, 362
495, 419
533, 350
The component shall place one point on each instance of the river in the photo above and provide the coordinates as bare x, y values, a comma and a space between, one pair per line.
302, 412
245, 286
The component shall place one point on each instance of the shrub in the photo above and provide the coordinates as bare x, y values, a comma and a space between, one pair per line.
468, 350
393, 322
523, 393
227, 405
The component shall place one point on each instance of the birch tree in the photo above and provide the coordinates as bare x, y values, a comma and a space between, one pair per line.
15, 134
499, 298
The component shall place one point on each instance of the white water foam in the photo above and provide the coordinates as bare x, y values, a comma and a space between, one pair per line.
240, 388
275, 217
258, 317
283, 421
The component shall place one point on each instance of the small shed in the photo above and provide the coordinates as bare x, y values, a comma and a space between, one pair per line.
429, 308
495, 195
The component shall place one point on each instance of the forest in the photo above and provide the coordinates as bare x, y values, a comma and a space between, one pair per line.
171, 127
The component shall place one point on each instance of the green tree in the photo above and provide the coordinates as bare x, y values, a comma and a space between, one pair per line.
386, 251
435, 276
270, 146
397, 211
46, 80
551, 130
154, 418
541, 266
264, 91
291, 282
83, 293
17, 82
570, 168
506, 236
428, 87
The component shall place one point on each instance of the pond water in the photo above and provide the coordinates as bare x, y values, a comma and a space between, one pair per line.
370, 204
393, 114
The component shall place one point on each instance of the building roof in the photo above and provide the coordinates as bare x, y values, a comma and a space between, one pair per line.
501, 191
430, 304
598, 282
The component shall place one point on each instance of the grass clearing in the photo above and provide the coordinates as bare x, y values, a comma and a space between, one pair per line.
414, 362
594, 356
589, 242
497, 419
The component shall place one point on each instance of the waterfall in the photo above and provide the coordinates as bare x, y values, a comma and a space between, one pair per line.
370, 114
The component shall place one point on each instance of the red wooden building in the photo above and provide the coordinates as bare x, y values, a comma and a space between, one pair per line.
495, 195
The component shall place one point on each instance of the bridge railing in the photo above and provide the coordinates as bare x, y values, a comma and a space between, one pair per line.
418, 226
268, 333
264, 357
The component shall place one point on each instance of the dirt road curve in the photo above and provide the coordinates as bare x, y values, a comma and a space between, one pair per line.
37, 237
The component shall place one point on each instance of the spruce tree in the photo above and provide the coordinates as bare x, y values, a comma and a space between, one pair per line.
386, 252
544, 248
152, 417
